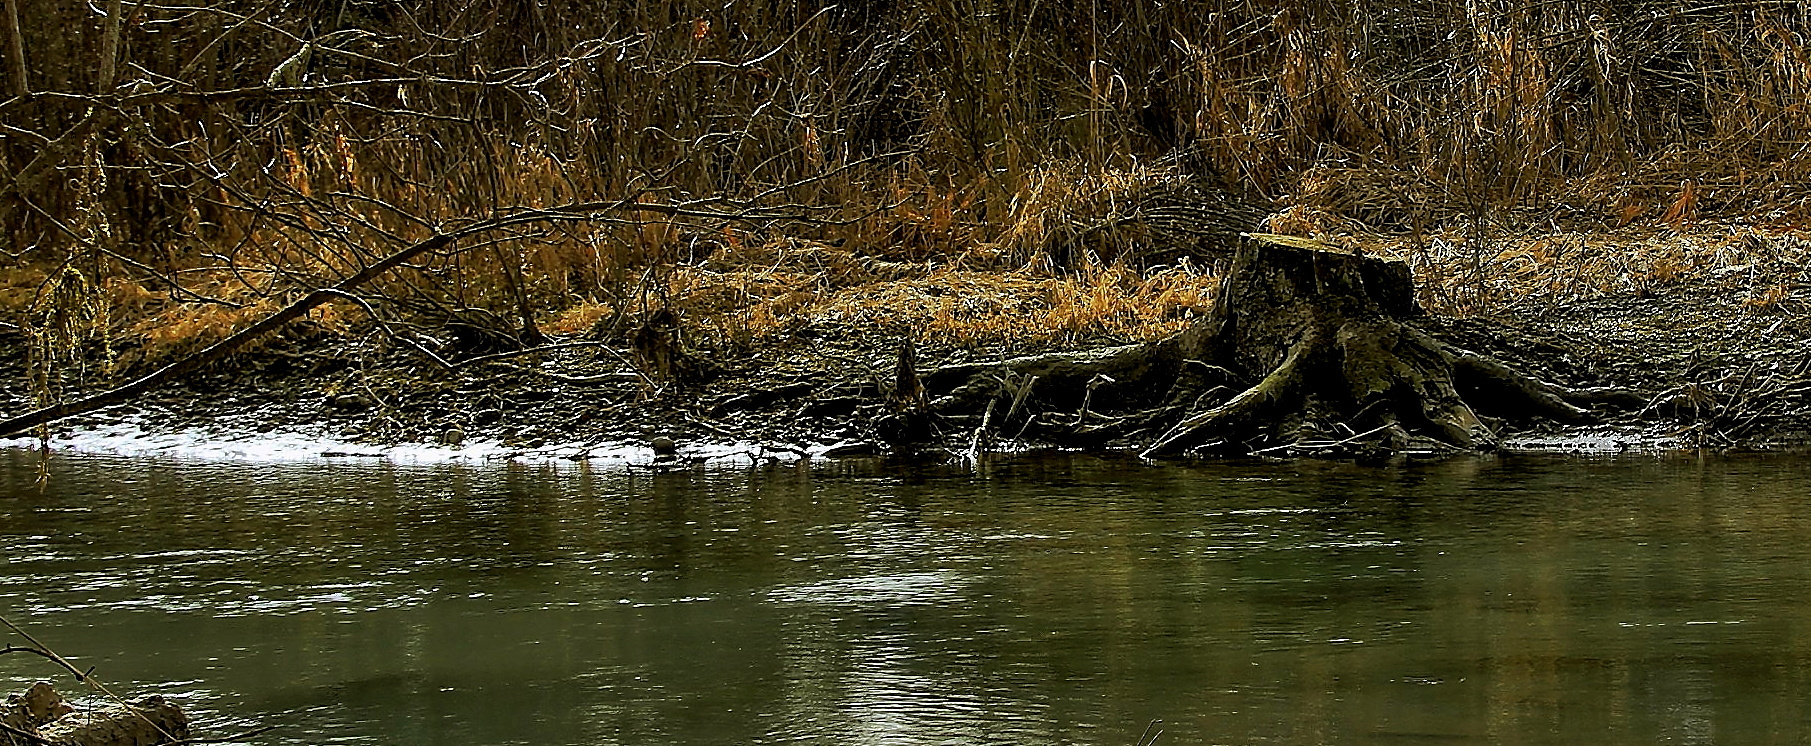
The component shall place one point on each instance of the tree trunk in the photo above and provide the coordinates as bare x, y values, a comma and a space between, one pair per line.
110, 43
1324, 341
1306, 352
15, 50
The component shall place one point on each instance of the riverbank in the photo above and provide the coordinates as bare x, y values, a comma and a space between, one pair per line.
1703, 331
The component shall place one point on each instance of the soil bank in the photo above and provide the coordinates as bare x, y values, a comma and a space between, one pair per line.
1712, 370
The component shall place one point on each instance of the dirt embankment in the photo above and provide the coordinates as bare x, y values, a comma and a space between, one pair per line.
1704, 359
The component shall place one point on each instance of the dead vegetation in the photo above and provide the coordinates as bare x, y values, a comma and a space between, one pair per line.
841, 168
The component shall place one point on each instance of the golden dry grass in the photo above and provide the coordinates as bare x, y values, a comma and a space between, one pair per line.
1457, 275
1519, 155
747, 291
1011, 310
1066, 206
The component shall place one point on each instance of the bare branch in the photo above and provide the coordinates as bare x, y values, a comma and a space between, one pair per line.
110, 47
58, 151
575, 212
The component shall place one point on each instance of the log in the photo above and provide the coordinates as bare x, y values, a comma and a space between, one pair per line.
28, 710
40, 717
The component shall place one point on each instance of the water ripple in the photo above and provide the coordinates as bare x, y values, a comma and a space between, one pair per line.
900, 589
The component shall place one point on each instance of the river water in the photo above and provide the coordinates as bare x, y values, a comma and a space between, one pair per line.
1032, 601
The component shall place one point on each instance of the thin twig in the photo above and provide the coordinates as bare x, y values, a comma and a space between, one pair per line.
493, 357
1325, 445
258, 731
28, 649
86, 677
385, 326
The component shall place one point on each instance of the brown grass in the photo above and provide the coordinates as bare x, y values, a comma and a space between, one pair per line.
1537, 270
817, 288
1517, 152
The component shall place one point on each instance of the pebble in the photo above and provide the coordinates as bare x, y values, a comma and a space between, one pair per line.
664, 446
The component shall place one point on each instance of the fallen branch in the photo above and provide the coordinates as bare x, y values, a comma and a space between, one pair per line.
21, 424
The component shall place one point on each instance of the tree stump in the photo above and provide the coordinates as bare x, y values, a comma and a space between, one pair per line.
1307, 351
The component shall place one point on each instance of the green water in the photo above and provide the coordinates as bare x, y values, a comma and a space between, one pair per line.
1049, 600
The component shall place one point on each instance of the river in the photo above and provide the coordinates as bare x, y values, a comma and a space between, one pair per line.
1033, 601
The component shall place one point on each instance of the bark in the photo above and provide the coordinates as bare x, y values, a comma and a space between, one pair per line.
1326, 338
110, 43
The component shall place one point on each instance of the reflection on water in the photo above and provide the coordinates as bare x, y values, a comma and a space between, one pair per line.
896, 589
1047, 600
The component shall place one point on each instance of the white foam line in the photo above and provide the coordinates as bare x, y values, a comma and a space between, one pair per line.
126, 439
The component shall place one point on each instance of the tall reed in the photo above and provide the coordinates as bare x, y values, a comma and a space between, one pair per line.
925, 124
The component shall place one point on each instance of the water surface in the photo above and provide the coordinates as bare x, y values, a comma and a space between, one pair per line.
1036, 600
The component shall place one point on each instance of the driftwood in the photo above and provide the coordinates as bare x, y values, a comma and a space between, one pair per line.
1307, 351
40, 717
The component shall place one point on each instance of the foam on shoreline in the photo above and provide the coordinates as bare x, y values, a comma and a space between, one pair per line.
128, 439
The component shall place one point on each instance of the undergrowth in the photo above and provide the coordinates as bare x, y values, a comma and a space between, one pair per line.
1515, 152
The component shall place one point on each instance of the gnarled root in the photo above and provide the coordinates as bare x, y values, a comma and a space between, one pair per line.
1328, 338
1487, 377
1249, 406
1385, 378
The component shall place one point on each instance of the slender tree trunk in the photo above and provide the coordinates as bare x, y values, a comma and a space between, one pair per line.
109, 71
15, 50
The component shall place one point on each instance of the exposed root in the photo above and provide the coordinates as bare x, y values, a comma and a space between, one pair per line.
1487, 377
1252, 405
1329, 339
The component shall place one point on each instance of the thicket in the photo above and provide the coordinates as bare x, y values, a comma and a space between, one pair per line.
220, 156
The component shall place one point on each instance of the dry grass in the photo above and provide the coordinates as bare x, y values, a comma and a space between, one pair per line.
1011, 310
1067, 209
1516, 153
162, 327
18, 286
1539, 270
